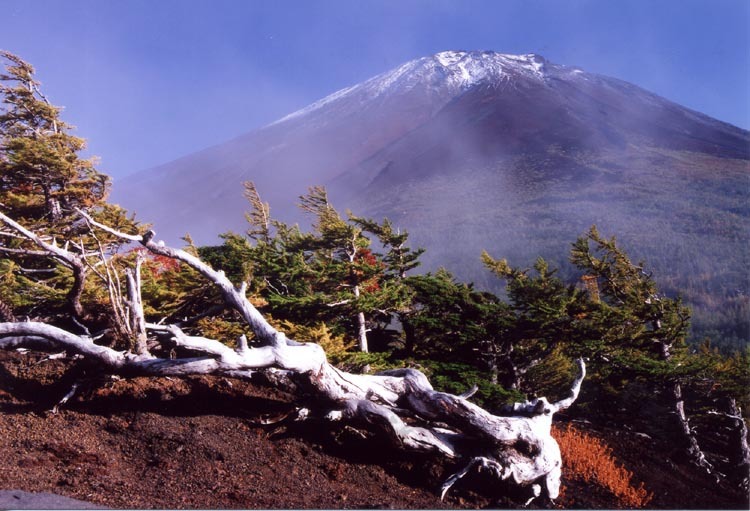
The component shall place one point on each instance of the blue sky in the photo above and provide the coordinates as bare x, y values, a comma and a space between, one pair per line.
148, 81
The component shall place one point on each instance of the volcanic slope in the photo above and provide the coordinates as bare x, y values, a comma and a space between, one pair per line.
482, 150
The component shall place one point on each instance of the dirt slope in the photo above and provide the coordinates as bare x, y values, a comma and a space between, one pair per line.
198, 443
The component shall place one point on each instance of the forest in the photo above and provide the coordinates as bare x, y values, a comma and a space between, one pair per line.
340, 316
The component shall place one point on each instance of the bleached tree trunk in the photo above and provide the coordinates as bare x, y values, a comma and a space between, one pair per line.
743, 450
400, 404
137, 318
361, 326
739, 460
361, 322
692, 448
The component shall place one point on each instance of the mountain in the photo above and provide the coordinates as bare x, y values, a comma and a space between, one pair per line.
481, 150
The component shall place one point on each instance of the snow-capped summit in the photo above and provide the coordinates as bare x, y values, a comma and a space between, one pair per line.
476, 66
463, 69
444, 74
441, 75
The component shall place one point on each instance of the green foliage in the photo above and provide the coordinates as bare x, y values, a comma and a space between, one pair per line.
552, 376
728, 376
457, 378
330, 274
450, 317
399, 258
172, 290
545, 318
640, 329
232, 257
42, 178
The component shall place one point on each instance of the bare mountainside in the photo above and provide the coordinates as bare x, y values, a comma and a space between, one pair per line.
481, 150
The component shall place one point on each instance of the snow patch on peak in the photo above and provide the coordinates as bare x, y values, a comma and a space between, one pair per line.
532, 62
449, 58
475, 66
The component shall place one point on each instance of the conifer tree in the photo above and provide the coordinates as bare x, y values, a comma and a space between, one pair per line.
43, 181
399, 257
343, 259
42, 177
331, 274
450, 321
544, 313
643, 333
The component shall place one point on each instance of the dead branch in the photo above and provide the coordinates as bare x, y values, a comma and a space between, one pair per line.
73, 261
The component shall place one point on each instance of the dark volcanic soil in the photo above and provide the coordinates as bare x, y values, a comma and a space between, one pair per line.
187, 443
199, 443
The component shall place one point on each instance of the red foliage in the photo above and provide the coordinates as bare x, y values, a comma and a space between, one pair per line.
158, 264
366, 258
591, 460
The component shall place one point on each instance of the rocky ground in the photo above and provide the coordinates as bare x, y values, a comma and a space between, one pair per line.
200, 442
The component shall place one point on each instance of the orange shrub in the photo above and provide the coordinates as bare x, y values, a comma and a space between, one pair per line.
591, 459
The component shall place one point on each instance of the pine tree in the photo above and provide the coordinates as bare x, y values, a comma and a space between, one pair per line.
331, 274
42, 177
450, 321
43, 181
643, 332
341, 256
544, 322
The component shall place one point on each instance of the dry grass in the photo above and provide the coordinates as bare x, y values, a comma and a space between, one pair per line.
590, 459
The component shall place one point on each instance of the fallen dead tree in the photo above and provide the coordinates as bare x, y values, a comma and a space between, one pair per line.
516, 446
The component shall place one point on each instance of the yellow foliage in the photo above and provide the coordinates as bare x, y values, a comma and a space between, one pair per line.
225, 331
257, 301
337, 347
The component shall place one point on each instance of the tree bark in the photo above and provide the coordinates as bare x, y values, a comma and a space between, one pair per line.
739, 460
137, 319
691, 447
361, 326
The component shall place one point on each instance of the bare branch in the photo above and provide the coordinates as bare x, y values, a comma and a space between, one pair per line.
234, 296
575, 389
73, 261
22, 251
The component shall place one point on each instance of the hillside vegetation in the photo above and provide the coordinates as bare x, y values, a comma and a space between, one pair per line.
684, 213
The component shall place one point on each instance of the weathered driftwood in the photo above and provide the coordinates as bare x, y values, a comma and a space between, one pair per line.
516, 446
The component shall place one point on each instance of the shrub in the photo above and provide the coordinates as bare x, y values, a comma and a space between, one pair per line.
590, 459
